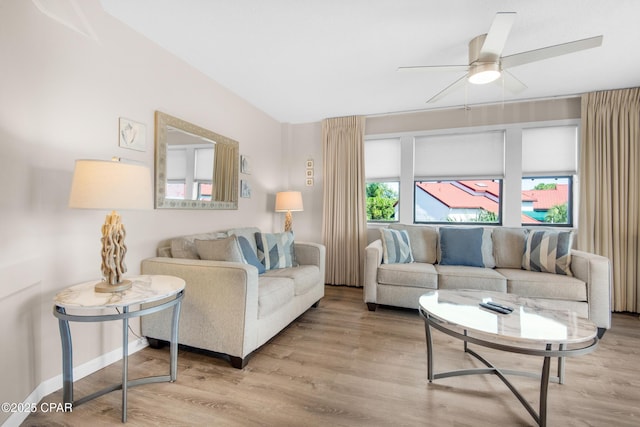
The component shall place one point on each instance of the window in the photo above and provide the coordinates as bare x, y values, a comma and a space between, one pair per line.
547, 201
549, 163
382, 171
506, 174
382, 201
465, 201
459, 177
175, 189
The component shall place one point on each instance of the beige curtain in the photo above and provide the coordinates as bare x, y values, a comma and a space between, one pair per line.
344, 216
609, 187
225, 165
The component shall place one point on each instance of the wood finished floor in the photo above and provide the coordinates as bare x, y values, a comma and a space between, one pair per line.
341, 365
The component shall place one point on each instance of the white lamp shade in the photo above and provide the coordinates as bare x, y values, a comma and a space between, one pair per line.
100, 184
289, 201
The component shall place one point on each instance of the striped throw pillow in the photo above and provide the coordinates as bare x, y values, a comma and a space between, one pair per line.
548, 252
396, 248
275, 250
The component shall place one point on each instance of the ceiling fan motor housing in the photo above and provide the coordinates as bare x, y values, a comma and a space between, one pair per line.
482, 69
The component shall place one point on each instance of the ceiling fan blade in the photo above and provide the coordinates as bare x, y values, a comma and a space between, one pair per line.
511, 82
550, 52
497, 36
435, 68
447, 90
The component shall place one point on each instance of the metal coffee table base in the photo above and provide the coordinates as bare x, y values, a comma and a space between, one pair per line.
548, 353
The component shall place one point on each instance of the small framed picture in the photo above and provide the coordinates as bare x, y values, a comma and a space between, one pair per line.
132, 135
245, 164
309, 182
245, 189
309, 173
309, 164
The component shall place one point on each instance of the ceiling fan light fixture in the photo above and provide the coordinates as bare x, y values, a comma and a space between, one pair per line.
480, 74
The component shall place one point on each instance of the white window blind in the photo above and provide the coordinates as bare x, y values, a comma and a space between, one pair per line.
382, 159
176, 164
204, 164
476, 155
550, 150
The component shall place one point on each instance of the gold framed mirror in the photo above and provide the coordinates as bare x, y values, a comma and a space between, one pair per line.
195, 168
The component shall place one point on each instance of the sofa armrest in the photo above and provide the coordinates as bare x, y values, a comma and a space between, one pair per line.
308, 253
595, 271
219, 309
372, 260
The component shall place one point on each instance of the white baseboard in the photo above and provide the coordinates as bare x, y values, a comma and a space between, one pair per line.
54, 384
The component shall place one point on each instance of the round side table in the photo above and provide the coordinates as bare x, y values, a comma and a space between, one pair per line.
145, 289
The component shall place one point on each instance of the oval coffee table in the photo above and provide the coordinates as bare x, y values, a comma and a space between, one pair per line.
529, 329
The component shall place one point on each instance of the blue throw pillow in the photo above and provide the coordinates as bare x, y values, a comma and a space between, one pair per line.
461, 246
249, 255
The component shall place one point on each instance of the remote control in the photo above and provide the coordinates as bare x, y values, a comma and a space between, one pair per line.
504, 307
494, 308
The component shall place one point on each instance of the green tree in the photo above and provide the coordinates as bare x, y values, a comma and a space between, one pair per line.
483, 215
557, 214
486, 216
543, 186
381, 200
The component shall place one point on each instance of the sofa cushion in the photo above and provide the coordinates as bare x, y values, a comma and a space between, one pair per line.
423, 240
508, 246
273, 293
227, 249
248, 233
548, 252
417, 275
184, 247
396, 248
470, 246
465, 277
249, 254
534, 284
304, 277
275, 250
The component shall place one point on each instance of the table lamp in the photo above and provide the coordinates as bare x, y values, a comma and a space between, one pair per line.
100, 184
288, 201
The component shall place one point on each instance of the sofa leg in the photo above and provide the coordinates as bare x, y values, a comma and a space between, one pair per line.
372, 306
316, 304
601, 332
156, 343
238, 362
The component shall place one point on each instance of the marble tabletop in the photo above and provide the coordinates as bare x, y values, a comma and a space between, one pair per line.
145, 288
529, 322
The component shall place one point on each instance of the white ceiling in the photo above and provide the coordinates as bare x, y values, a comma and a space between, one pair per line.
303, 60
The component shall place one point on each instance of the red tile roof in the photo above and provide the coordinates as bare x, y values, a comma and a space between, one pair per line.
545, 199
456, 197
477, 194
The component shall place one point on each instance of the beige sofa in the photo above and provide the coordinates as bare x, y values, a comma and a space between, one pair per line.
587, 290
229, 308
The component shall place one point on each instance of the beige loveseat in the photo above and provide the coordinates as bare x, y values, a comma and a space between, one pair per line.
584, 288
228, 307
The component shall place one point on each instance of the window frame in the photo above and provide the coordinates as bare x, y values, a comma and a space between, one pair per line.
570, 201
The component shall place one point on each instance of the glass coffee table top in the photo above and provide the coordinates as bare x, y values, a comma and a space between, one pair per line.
528, 322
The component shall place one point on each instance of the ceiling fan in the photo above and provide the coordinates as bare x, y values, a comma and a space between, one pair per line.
486, 63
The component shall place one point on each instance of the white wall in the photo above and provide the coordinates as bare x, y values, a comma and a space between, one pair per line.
302, 142
61, 94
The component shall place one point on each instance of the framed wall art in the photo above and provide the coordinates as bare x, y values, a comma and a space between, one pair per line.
132, 135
